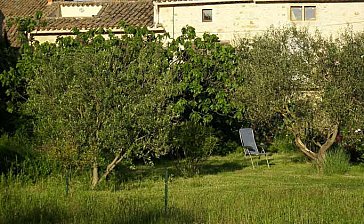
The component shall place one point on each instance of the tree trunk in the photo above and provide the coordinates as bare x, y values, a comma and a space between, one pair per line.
304, 149
329, 142
118, 158
318, 157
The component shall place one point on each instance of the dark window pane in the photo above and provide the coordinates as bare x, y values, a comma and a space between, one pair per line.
206, 15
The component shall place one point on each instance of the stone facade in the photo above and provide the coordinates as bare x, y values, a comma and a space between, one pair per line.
233, 19
229, 19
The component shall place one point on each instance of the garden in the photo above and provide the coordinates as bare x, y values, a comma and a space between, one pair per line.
138, 129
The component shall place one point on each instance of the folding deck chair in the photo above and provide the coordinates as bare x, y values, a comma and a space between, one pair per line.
250, 147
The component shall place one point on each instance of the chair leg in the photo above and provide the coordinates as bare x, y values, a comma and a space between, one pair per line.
266, 158
251, 159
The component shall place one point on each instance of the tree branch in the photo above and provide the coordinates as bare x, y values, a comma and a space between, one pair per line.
304, 149
118, 158
317, 143
329, 142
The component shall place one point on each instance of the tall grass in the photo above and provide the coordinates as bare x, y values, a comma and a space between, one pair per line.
19, 160
286, 193
336, 162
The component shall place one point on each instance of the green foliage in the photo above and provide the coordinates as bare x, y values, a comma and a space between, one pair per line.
275, 69
193, 144
25, 25
11, 153
346, 82
19, 161
204, 75
12, 79
8, 58
313, 84
203, 70
94, 99
282, 143
347, 90
224, 148
336, 162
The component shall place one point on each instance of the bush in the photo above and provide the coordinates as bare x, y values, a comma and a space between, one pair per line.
227, 147
193, 144
12, 152
282, 143
19, 159
336, 162
354, 146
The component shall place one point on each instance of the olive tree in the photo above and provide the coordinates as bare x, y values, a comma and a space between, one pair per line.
312, 83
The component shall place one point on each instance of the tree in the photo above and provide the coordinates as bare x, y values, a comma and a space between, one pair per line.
12, 83
346, 89
306, 80
99, 102
8, 58
204, 71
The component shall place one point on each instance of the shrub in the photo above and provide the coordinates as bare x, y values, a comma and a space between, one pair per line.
227, 147
19, 159
11, 153
193, 144
282, 143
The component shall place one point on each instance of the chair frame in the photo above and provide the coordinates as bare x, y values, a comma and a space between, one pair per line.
251, 149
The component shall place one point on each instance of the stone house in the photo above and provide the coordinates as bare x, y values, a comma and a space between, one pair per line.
235, 18
228, 19
62, 16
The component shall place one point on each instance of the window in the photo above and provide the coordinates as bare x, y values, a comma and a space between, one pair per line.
310, 12
300, 13
296, 13
206, 15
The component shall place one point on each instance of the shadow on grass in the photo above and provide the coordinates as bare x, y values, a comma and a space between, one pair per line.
53, 214
174, 215
157, 172
210, 167
260, 161
45, 214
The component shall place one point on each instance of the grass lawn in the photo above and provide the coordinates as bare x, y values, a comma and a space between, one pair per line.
228, 190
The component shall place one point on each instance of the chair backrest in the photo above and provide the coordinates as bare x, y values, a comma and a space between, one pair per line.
247, 140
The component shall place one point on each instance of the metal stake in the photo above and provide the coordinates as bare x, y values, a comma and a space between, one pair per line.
166, 191
67, 183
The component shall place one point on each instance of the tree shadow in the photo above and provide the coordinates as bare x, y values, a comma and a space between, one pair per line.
261, 161
45, 214
173, 215
211, 167
124, 174
54, 214
9, 158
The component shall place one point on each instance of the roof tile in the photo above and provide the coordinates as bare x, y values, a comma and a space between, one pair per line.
138, 13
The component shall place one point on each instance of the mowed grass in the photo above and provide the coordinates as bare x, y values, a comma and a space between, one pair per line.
228, 190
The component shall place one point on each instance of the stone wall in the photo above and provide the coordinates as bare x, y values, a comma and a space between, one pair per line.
233, 20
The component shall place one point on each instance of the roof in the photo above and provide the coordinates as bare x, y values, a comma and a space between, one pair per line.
11, 8
18, 8
138, 13
193, 2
